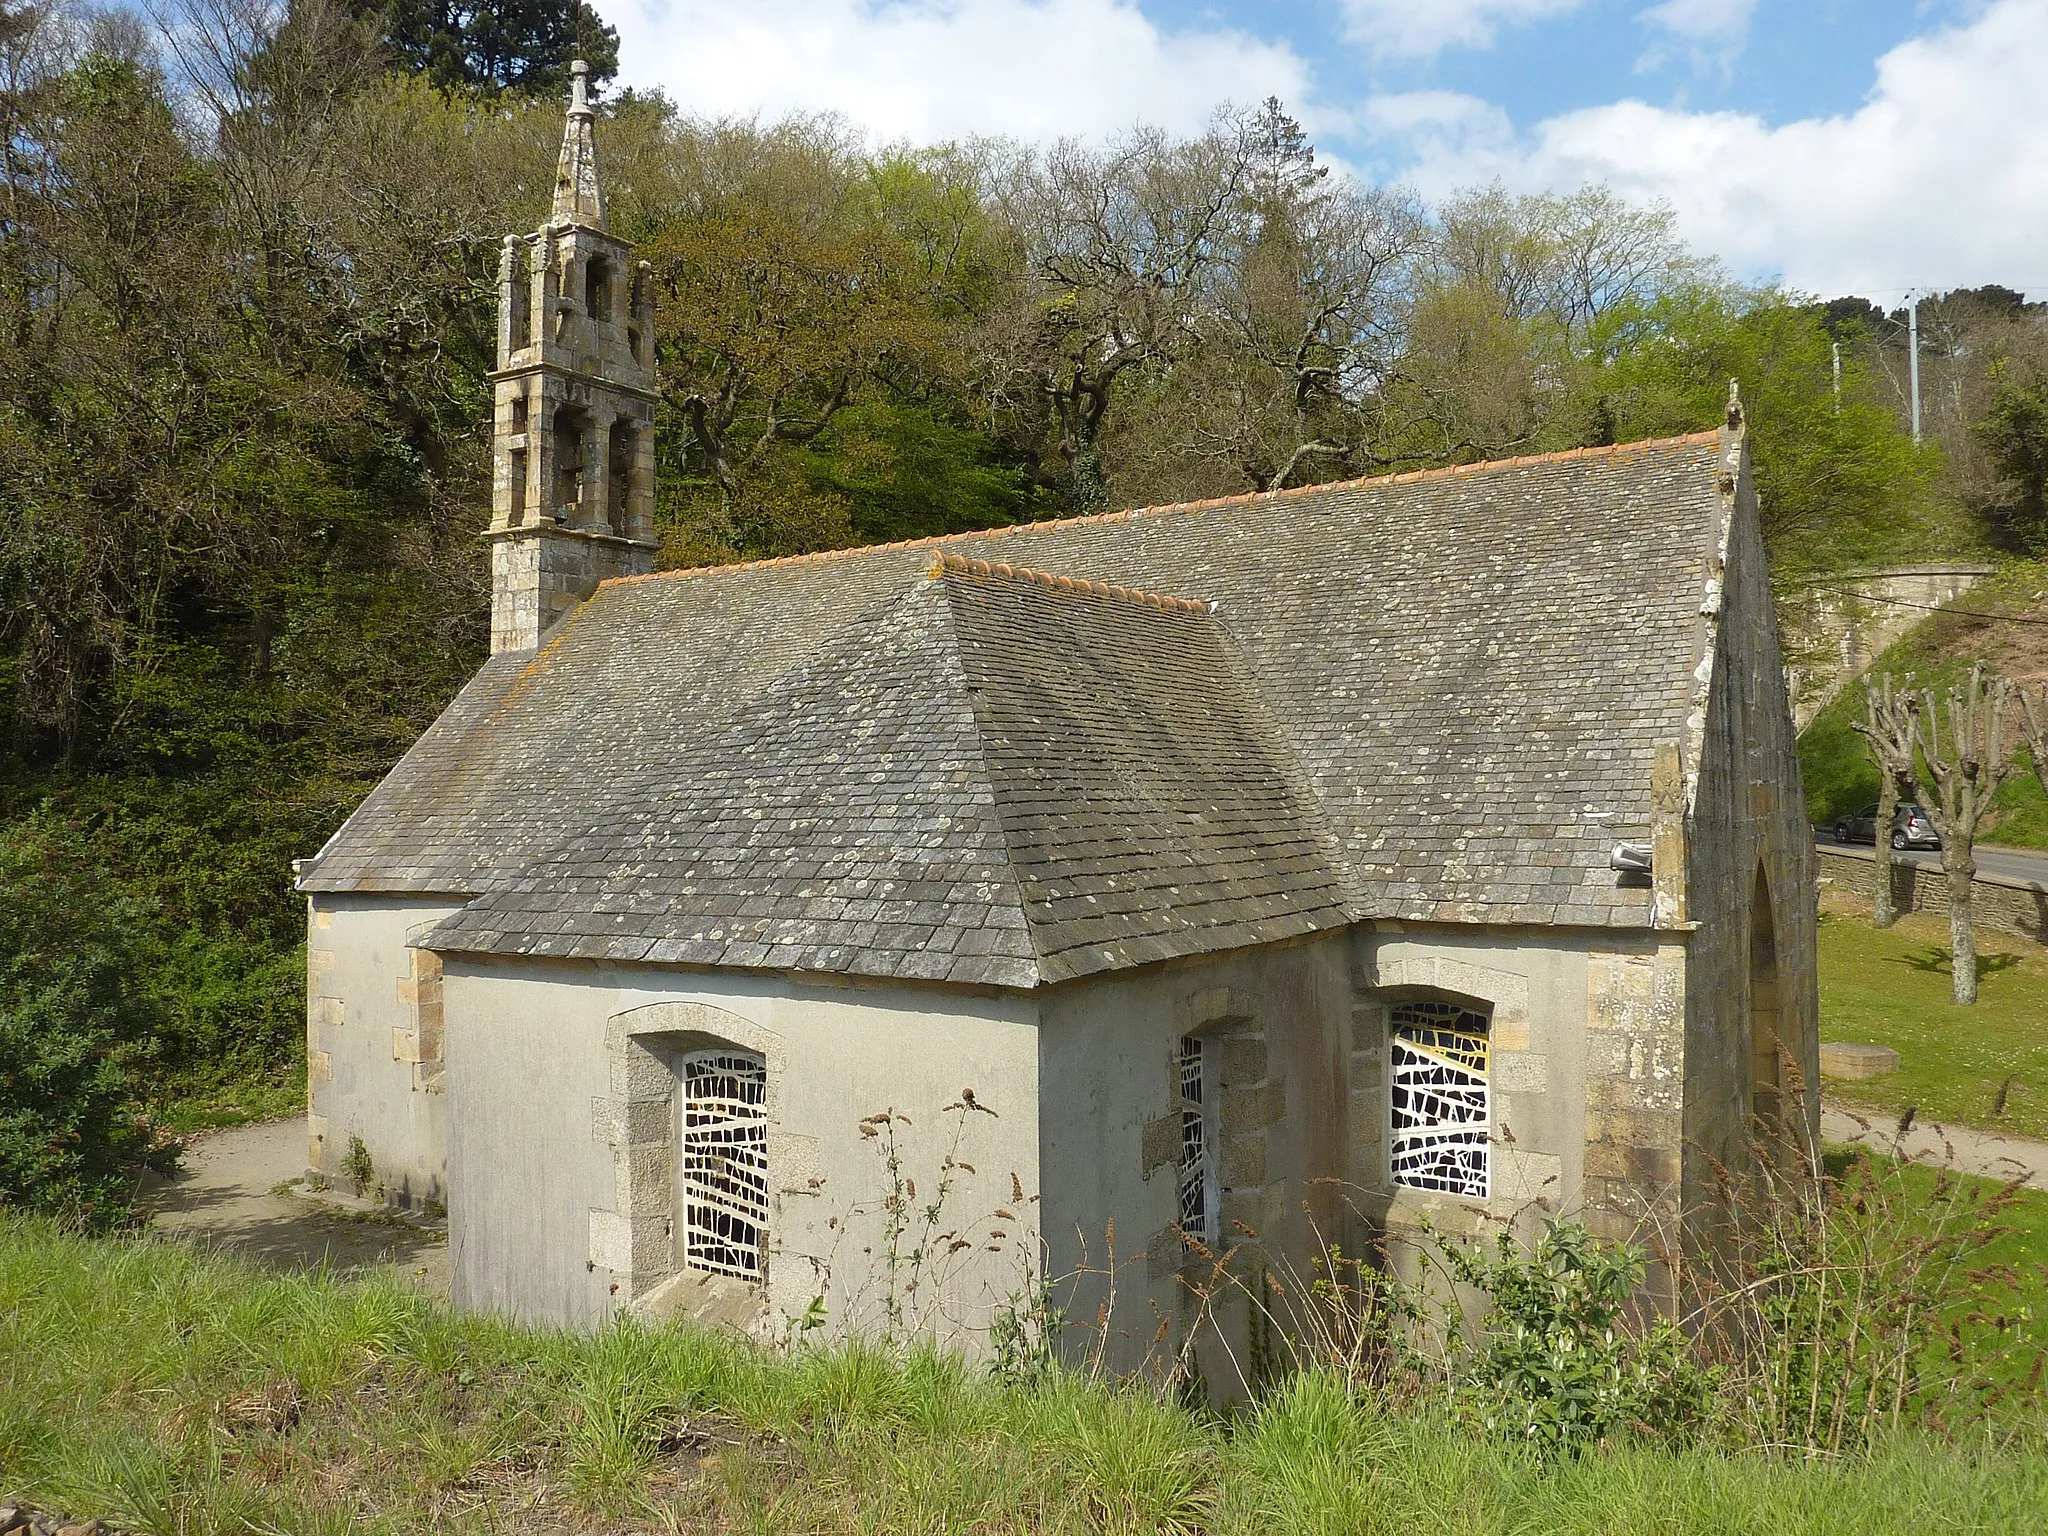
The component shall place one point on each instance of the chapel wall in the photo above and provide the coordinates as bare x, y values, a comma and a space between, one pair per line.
562, 1152
1584, 1075
373, 1045
1748, 814
1277, 1022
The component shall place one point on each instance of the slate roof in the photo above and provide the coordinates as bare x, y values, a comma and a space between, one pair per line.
1430, 697
1004, 778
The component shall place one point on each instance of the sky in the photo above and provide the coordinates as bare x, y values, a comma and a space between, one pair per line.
1836, 146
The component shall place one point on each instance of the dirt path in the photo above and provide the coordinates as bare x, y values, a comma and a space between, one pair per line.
1957, 1146
227, 1195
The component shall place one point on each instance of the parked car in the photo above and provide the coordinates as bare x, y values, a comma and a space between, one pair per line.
1910, 828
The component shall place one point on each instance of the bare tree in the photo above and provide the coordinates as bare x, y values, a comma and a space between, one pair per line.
2034, 729
1963, 753
1889, 731
1122, 245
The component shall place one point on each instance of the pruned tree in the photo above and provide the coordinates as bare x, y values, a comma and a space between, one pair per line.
1889, 730
2034, 728
1962, 760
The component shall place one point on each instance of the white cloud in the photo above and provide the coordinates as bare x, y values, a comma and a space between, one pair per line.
1421, 28
933, 69
1713, 32
1939, 179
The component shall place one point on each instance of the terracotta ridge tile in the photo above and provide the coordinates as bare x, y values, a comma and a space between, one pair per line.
962, 565
1244, 498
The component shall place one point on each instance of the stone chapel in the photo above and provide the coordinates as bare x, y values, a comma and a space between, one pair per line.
1292, 867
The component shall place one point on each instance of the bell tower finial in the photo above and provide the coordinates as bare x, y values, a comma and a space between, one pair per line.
578, 197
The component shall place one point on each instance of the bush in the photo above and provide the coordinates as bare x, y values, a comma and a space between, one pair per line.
1556, 1364
74, 1039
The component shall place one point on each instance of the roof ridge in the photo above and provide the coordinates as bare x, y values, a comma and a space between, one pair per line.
968, 567
1243, 498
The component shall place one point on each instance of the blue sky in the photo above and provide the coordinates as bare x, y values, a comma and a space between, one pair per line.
1836, 145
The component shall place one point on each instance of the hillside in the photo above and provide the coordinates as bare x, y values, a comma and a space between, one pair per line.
2003, 622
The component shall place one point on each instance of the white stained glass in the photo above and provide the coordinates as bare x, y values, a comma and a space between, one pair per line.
1441, 1120
725, 1162
1194, 1160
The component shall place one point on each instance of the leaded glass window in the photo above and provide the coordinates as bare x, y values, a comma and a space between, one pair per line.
1441, 1117
1194, 1141
725, 1162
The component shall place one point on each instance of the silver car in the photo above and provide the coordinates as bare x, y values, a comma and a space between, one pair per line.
1910, 828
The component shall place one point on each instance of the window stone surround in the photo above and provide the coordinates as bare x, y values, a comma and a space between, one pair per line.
634, 1238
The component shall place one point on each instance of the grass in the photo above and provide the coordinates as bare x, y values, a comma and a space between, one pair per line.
1837, 770
1893, 988
180, 1392
2020, 1248
184, 1110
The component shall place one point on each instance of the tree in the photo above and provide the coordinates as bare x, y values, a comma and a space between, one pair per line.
1305, 309
1962, 762
2034, 729
495, 48
1888, 731
1120, 245
73, 1033
2015, 433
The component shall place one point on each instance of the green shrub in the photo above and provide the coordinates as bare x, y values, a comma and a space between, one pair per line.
74, 1038
1556, 1364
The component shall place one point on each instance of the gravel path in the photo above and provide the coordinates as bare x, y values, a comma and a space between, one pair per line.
228, 1195
1957, 1146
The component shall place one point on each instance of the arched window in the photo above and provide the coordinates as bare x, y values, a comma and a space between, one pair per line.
1196, 1163
597, 289
724, 1162
618, 483
1442, 1114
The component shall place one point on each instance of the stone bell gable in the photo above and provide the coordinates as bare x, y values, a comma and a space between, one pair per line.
572, 499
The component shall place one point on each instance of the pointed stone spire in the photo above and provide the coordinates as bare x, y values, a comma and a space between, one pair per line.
578, 198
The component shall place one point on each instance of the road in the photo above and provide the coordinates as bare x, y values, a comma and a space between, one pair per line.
2006, 863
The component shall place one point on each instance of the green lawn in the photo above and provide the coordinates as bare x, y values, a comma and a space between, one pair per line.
181, 1393
1892, 988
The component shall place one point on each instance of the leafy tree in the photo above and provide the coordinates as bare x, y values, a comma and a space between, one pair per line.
73, 1036
499, 47
1838, 480
2015, 433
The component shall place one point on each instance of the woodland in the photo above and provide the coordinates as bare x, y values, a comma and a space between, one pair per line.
247, 279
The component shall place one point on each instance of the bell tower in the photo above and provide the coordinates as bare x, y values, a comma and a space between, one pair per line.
572, 497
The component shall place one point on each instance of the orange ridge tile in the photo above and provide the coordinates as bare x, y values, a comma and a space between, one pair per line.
964, 566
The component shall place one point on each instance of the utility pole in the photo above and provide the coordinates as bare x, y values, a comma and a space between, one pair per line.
1836, 348
1913, 349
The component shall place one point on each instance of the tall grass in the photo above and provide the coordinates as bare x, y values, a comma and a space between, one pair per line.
179, 1392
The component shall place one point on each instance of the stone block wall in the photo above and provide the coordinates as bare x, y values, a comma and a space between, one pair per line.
2010, 906
374, 1024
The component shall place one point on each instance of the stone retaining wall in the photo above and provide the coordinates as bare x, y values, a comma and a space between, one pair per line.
2012, 906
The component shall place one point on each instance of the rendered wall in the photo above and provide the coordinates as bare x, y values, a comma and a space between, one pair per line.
373, 1043
1110, 1118
1748, 814
558, 1189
